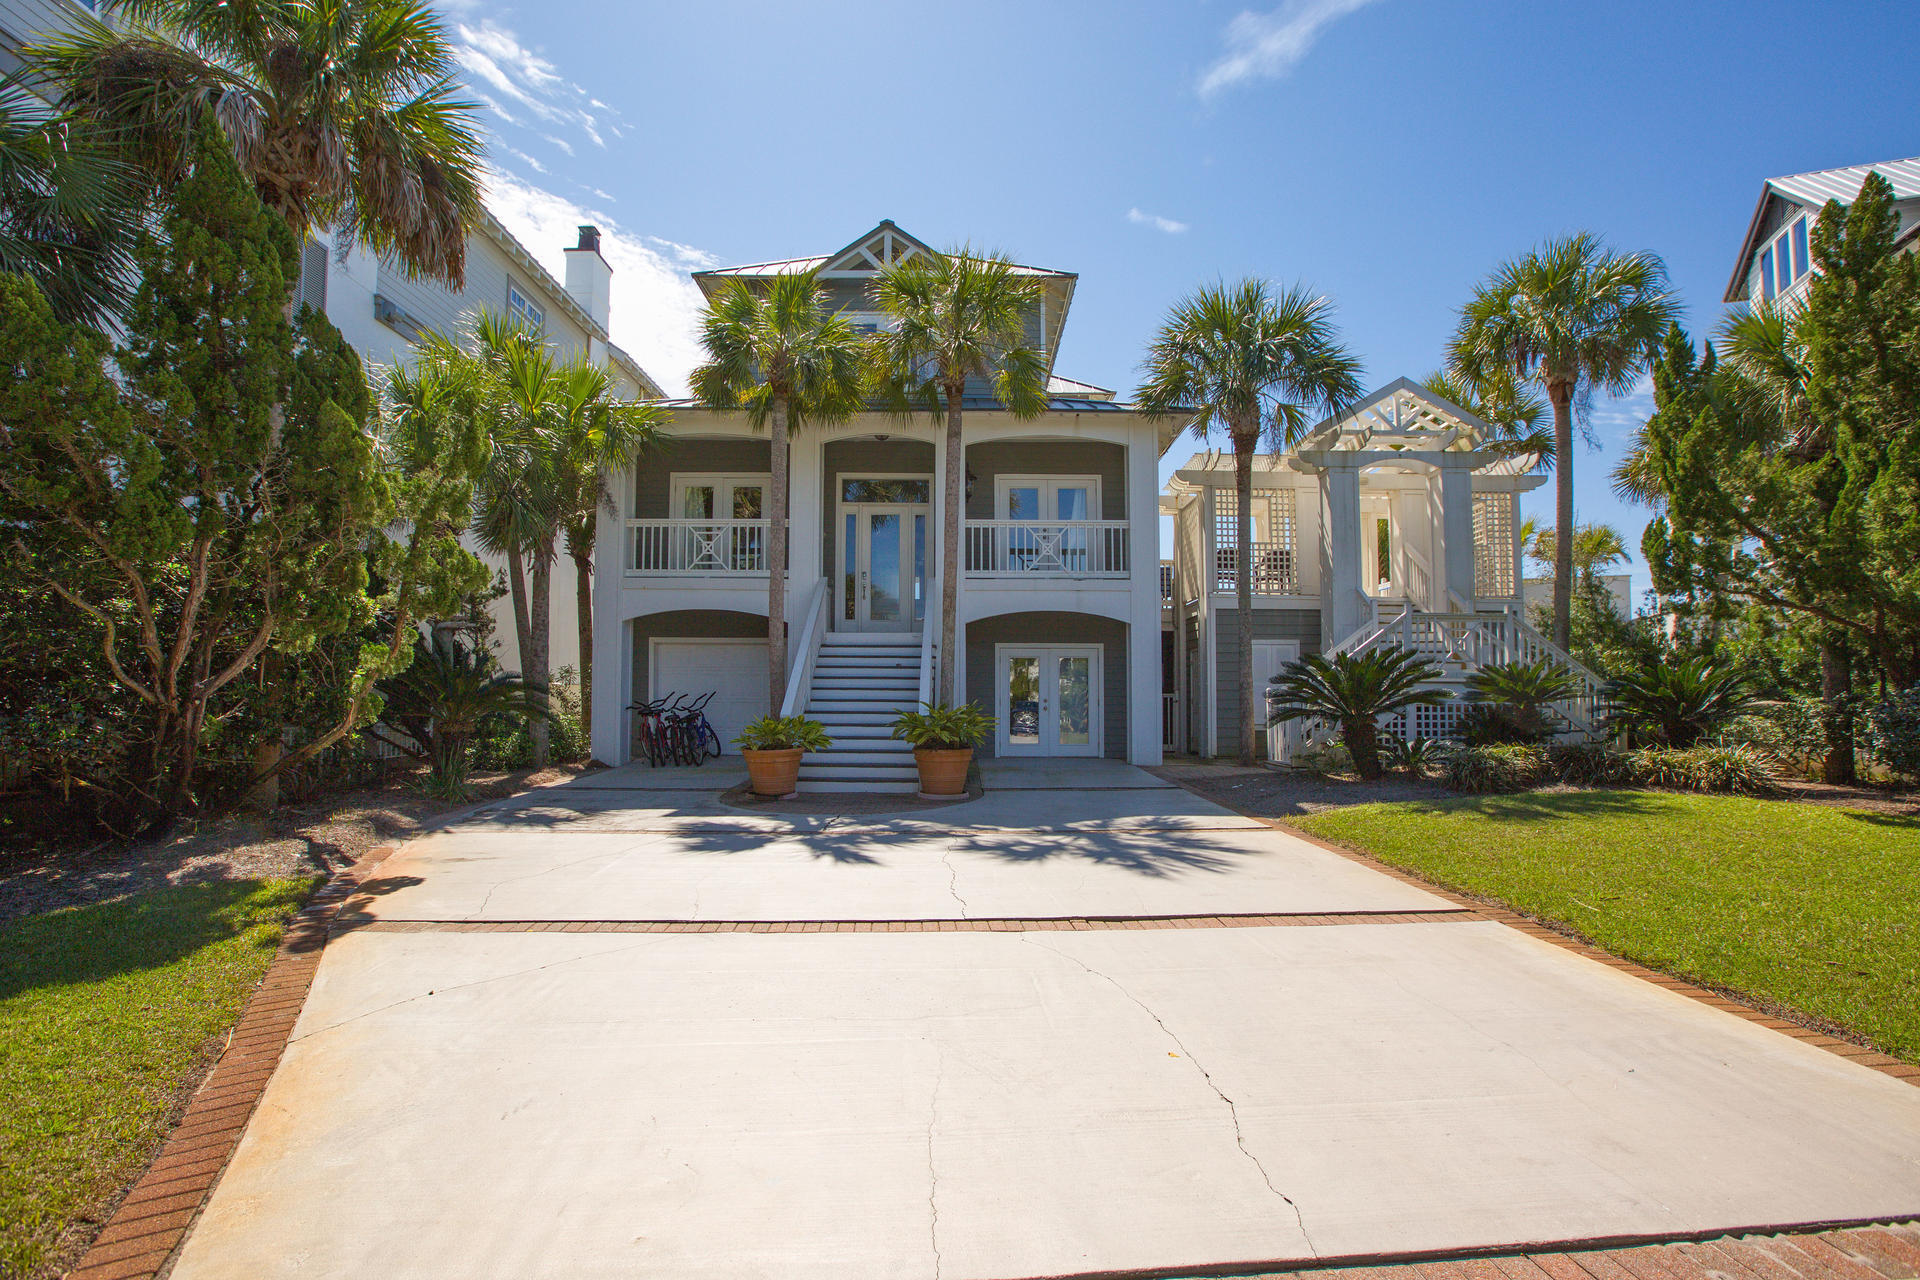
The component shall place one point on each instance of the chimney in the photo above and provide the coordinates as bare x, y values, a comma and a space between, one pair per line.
589, 278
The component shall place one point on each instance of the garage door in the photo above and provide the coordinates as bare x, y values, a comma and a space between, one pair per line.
734, 670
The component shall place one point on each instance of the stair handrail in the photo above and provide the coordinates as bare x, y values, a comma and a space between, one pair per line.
800, 672
929, 645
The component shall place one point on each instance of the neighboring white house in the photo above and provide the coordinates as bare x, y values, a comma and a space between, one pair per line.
383, 314
1538, 592
1775, 261
1058, 594
1387, 525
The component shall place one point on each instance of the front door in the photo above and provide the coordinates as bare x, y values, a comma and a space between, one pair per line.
1048, 700
882, 583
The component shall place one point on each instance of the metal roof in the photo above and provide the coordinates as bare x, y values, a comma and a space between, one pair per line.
1059, 386
987, 404
1812, 190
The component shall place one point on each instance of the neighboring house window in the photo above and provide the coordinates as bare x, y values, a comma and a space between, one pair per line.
524, 309
311, 288
1800, 263
1766, 275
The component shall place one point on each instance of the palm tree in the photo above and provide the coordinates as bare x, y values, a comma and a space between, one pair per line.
1572, 316
68, 207
958, 316
1354, 692
1595, 547
782, 355
344, 113
594, 436
1677, 703
1259, 365
1516, 415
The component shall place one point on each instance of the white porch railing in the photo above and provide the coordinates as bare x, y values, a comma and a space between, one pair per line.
697, 546
1274, 570
806, 650
1047, 548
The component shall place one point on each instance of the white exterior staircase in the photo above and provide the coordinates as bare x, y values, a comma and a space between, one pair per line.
860, 681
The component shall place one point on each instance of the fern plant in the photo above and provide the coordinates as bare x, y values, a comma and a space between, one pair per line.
784, 733
1353, 692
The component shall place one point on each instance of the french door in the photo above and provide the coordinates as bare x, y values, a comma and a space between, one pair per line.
1048, 700
882, 582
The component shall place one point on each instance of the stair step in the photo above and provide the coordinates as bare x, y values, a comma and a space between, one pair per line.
861, 731
841, 721
860, 773
877, 660
872, 684
840, 759
879, 639
869, 786
859, 696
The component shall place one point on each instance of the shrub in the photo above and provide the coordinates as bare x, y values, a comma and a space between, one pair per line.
1739, 770
943, 728
1589, 764
1418, 756
1893, 731
1353, 692
1675, 704
1324, 761
1510, 701
784, 733
1490, 770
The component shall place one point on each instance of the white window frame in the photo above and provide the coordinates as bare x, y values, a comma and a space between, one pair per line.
1096, 748
680, 481
1050, 484
523, 308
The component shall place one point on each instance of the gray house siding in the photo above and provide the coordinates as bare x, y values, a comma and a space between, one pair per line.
653, 477
991, 460
1268, 624
1053, 628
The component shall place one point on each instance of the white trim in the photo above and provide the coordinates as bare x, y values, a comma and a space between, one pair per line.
1096, 654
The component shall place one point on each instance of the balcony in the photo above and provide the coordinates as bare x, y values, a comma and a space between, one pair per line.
697, 548
1046, 549
1274, 570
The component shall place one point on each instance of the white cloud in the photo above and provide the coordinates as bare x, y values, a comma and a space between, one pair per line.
1155, 221
521, 81
655, 306
1272, 44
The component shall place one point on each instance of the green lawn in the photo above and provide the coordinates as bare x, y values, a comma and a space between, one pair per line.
104, 1011
1811, 907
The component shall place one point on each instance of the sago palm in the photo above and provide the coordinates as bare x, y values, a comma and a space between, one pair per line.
779, 353
1677, 703
445, 696
957, 317
69, 206
1574, 317
1354, 692
595, 435
344, 113
1258, 365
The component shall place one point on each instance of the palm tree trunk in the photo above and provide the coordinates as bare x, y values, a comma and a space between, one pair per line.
950, 553
1243, 447
539, 624
776, 508
580, 549
1836, 694
517, 596
1562, 396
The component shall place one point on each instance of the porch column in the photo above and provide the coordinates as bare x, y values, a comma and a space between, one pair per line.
612, 660
939, 568
806, 474
1343, 606
1143, 630
1453, 558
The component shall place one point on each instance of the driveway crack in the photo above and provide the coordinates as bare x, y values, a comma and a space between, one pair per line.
933, 1172
953, 879
1233, 1111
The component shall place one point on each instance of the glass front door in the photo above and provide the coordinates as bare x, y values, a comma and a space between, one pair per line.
882, 583
1049, 701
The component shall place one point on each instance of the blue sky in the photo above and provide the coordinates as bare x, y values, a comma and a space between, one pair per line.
1387, 152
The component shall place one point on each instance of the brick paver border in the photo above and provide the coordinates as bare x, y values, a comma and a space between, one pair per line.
1061, 924
149, 1224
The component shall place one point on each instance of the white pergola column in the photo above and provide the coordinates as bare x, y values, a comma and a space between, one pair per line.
1143, 630
1453, 559
938, 569
1343, 606
806, 476
612, 654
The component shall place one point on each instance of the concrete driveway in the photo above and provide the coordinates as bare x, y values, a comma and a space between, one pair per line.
1089, 1026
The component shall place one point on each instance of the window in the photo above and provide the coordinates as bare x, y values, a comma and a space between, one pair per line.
867, 489
310, 290
524, 309
1800, 248
731, 542
1766, 275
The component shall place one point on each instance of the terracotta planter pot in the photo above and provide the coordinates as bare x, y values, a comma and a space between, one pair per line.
942, 773
774, 773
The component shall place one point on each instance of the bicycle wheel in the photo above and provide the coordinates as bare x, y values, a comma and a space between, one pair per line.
711, 739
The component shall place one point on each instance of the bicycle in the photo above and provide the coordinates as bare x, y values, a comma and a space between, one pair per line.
695, 740
655, 736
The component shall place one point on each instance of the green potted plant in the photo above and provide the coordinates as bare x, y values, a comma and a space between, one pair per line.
773, 746
943, 739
